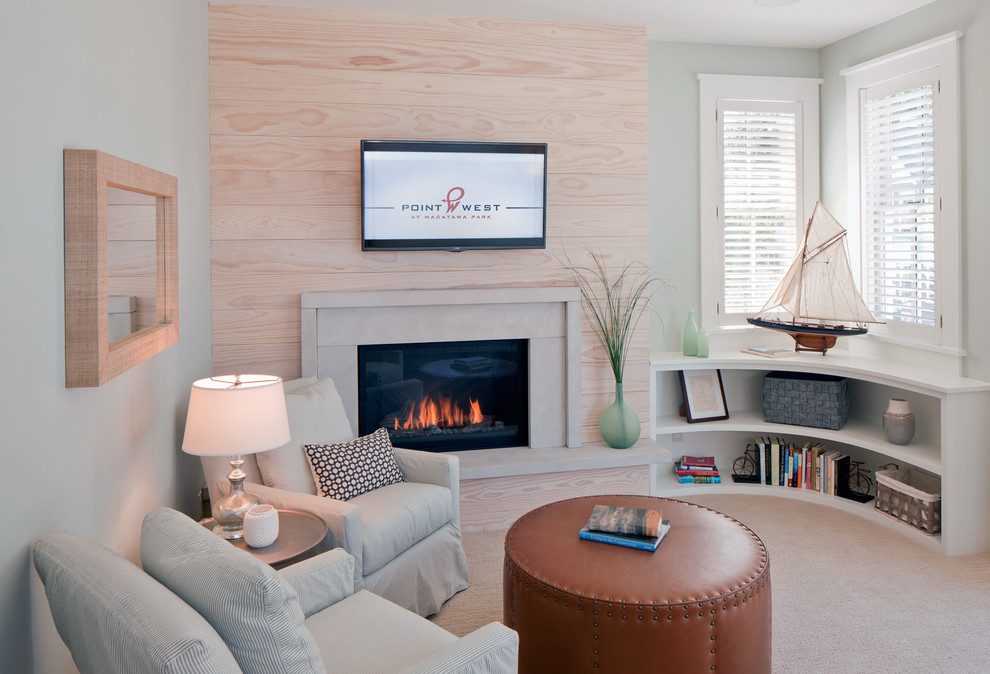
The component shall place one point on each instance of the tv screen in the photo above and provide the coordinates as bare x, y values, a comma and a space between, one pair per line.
428, 195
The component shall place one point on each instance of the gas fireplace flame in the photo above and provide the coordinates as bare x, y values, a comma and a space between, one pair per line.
442, 412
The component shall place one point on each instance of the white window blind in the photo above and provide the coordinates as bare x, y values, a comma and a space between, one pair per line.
904, 158
761, 197
758, 146
899, 200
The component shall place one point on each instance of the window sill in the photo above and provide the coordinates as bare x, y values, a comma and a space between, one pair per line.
940, 349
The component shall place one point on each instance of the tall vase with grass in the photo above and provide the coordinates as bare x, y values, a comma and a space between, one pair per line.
614, 302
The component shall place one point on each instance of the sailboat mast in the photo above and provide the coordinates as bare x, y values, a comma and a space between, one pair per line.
804, 252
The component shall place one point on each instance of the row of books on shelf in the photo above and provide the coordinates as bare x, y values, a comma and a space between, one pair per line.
697, 470
778, 462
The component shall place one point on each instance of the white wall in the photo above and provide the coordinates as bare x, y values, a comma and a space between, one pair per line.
128, 77
673, 161
973, 18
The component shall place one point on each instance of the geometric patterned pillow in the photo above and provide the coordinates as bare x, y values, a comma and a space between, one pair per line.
343, 470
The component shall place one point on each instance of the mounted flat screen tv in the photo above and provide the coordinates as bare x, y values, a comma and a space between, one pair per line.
430, 195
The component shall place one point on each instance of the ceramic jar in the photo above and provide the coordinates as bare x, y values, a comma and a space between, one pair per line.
898, 422
260, 526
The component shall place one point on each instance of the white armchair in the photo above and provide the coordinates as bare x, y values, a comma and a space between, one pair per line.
405, 538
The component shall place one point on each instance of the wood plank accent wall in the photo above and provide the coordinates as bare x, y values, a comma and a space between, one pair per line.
293, 91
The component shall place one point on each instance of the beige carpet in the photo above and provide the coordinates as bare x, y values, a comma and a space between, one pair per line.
849, 595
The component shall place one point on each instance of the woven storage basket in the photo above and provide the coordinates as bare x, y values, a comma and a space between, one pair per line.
912, 497
805, 399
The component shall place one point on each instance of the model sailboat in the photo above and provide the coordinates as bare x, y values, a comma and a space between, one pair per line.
817, 300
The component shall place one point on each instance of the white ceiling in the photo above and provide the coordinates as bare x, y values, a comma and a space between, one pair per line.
805, 23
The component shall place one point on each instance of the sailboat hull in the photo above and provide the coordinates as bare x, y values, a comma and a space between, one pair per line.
806, 328
818, 338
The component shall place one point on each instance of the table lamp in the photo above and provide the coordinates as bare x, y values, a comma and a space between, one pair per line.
230, 416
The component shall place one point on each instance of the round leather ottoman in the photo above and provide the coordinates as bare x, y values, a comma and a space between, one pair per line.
699, 603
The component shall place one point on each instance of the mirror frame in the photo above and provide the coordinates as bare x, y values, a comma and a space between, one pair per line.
90, 358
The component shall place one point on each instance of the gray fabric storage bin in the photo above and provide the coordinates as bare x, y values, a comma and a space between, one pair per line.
805, 399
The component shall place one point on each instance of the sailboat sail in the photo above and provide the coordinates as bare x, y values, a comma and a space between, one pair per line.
818, 287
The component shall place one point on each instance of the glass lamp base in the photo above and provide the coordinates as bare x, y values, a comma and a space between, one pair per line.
229, 534
229, 514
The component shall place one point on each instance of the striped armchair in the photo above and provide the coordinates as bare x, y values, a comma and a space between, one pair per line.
203, 606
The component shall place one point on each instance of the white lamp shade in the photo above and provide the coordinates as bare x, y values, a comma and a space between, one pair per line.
240, 414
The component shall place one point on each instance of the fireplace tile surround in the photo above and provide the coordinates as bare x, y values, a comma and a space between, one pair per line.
334, 324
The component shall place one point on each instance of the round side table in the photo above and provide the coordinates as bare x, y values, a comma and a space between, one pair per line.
298, 533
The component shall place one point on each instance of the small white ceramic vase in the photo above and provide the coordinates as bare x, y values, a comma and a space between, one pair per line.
260, 526
898, 422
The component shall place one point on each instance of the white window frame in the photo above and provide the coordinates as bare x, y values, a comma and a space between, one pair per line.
713, 89
940, 55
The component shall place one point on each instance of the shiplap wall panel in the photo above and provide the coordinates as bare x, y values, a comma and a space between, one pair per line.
307, 256
266, 22
420, 43
341, 154
320, 85
279, 358
292, 118
422, 53
294, 90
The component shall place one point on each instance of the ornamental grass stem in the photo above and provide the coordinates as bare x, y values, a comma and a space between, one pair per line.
614, 305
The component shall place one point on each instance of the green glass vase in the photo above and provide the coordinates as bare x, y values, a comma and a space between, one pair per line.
619, 424
690, 336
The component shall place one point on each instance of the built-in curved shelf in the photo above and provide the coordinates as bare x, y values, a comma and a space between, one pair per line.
856, 432
953, 419
667, 485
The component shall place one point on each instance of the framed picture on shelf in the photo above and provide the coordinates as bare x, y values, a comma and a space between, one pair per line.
704, 397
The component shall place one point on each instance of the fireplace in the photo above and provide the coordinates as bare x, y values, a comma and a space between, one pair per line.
442, 396
334, 326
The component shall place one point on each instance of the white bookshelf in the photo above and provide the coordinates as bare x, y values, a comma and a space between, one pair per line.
951, 441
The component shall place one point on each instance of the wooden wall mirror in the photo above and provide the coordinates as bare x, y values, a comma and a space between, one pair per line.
121, 265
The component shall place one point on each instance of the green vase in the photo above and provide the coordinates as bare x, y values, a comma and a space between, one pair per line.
702, 343
619, 424
690, 336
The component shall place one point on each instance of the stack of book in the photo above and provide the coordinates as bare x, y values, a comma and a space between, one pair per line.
639, 528
697, 470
